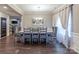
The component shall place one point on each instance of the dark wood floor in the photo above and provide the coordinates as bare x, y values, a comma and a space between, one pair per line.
8, 46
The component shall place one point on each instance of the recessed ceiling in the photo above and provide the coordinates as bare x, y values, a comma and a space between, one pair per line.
38, 7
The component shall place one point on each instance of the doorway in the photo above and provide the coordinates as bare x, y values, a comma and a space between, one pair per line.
3, 27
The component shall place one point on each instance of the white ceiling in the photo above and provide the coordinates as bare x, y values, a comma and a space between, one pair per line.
32, 8
8, 10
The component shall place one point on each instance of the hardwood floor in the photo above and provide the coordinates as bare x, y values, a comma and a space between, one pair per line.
8, 46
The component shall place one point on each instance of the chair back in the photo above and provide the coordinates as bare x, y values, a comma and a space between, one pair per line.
35, 30
43, 30
27, 30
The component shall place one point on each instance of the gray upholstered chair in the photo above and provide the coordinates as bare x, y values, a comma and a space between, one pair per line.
18, 37
43, 35
35, 35
22, 37
27, 35
54, 32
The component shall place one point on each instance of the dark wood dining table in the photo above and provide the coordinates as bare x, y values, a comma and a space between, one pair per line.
49, 34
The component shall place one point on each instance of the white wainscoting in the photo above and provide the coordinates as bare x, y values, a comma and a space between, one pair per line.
75, 42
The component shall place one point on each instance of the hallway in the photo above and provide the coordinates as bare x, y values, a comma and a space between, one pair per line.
7, 45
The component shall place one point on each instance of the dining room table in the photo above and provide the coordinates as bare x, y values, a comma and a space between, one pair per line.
49, 34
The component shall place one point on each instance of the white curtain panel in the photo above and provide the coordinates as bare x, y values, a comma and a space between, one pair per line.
65, 25
61, 21
60, 29
70, 26
54, 19
64, 17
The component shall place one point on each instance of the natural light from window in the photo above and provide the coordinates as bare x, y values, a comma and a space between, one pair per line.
59, 25
60, 30
69, 25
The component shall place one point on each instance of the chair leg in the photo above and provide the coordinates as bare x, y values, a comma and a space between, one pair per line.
32, 41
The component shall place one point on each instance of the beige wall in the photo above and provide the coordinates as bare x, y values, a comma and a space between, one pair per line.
75, 40
76, 18
27, 20
7, 17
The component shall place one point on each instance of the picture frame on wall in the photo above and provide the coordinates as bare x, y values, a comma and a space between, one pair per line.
38, 21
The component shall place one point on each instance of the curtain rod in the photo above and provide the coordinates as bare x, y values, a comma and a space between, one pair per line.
63, 9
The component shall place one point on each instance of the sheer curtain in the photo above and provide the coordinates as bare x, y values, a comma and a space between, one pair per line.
64, 26
60, 29
69, 27
62, 16
63, 22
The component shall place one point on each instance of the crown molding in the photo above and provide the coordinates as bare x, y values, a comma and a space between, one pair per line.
16, 8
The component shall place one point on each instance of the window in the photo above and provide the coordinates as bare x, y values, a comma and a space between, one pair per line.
58, 22
60, 28
69, 25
